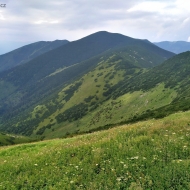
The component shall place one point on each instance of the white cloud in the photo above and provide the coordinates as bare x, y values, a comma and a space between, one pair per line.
188, 39
48, 20
183, 6
2, 17
186, 20
148, 6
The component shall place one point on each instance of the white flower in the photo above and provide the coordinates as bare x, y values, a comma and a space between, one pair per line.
118, 179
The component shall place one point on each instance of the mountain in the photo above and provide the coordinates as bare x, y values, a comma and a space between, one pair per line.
175, 47
27, 53
110, 95
70, 84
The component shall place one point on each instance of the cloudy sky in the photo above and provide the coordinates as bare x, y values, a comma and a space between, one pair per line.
27, 21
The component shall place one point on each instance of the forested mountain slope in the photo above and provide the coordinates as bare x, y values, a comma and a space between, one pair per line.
31, 91
27, 53
121, 96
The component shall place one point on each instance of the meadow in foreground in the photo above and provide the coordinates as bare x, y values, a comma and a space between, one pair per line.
153, 154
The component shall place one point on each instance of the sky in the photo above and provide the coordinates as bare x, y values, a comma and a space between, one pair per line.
27, 21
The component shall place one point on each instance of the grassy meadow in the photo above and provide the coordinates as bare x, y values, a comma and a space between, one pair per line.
153, 154
11, 139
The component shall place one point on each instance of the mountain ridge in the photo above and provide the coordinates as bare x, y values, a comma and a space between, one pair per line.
144, 96
26, 53
175, 46
33, 88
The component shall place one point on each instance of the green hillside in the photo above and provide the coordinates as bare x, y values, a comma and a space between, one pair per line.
40, 95
11, 139
174, 74
153, 154
107, 96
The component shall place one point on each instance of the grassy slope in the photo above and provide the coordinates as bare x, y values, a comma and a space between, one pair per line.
116, 111
153, 154
10, 139
88, 88
109, 111
138, 94
39, 80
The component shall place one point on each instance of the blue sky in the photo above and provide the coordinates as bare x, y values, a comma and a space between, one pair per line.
27, 21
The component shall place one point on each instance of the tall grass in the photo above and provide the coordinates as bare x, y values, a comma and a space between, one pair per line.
154, 154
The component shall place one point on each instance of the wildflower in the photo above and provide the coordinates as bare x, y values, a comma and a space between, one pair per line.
35, 164
118, 179
135, 157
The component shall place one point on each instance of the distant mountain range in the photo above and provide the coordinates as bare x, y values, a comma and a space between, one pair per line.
99, 81
27, 53
175, 47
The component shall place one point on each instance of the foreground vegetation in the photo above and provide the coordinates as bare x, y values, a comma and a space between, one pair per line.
153, 154
11, 139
